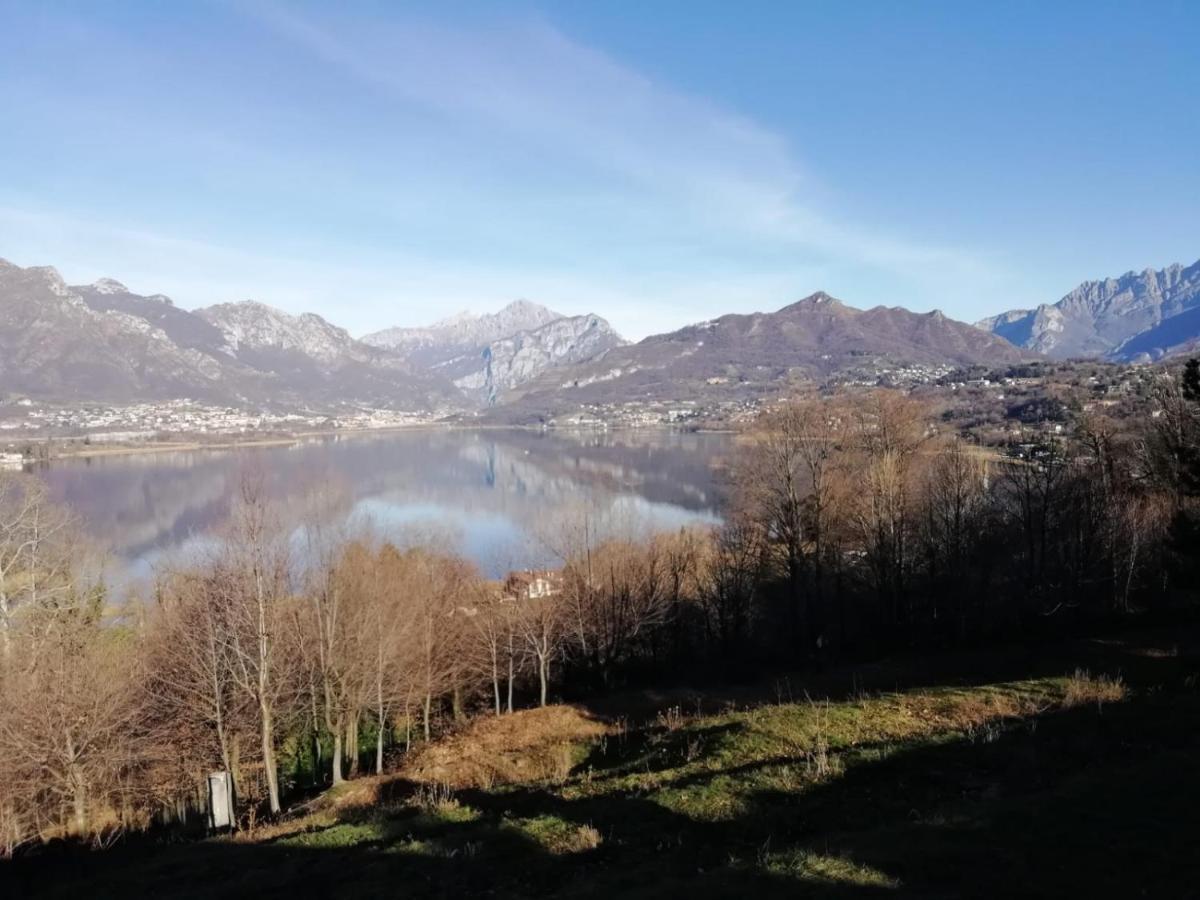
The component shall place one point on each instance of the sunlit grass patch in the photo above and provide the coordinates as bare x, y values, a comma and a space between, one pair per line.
531, 746
456, 814
557, 835
1083, 688
347, 834
806, 865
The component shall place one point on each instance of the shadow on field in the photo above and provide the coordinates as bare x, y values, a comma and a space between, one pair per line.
1143, 656
1095, 801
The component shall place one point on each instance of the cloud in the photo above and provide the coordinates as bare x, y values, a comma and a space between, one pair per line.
527, 79
393, 172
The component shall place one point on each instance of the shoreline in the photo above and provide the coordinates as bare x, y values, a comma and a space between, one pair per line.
81, 450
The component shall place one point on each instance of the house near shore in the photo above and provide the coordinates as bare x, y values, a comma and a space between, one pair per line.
12, 460
531, 584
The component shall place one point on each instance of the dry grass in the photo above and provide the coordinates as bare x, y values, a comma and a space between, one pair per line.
558, 836
530, 746
587, 837
435, 798
1084, 688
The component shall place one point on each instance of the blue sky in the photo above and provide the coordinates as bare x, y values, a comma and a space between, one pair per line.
657, 163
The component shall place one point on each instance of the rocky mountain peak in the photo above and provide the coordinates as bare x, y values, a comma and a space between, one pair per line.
253, 325
459, 318
816, 300
523, 307
109, 286
1135, 316
466, 330
488, 355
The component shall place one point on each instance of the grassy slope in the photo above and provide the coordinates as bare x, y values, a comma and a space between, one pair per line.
1047, 786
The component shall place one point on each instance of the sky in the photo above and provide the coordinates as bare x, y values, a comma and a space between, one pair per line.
656, 163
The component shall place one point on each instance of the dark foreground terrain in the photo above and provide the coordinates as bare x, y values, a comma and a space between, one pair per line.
1066, 770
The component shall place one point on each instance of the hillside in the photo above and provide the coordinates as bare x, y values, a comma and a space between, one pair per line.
309, 358
968, 781
741, 356
103, 343
54, 345
1138, 317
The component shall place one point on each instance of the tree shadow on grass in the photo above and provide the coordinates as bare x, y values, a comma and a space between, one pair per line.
1089, 801
1141, 656
666, 855
1095, 802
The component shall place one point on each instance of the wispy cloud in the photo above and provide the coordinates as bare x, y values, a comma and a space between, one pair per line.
528, 79
392, 171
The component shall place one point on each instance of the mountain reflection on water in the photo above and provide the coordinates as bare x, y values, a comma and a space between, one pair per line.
503, 498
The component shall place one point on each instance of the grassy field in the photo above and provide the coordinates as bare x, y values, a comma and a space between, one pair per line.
1082, 780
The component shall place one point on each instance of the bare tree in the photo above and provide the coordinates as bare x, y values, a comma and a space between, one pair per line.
772, 487
252, 582
890, 430
69, 723
493, 639
192, 696
434, 586
1032, 493
34, 549
734, 570
339, 593
956, 503
386, 641
793, 483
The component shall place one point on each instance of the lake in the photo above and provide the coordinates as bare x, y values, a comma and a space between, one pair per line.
503, 498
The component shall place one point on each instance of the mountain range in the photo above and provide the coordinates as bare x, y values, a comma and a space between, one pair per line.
1138, 317
103, 343
744, 356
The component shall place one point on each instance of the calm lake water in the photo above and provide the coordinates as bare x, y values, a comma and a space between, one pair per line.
504, 499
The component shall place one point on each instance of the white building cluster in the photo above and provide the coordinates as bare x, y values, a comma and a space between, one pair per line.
141, 421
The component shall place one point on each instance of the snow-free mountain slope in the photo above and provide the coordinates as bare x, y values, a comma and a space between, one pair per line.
742, 356
489, 355
1138, 317
464, 331
101, 342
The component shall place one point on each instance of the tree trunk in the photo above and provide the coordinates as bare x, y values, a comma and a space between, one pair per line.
336, 769
352, 745
379, 747
511, 675
428, 712
78, 801
457, 704
264, 692
316, 752
5, 637
543, 677
496, 679
78, 786
381, 714
230, 800
227, 761
235, 761
268, 752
